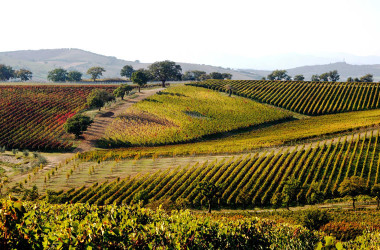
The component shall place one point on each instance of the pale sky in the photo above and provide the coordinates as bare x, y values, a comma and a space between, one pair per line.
206, 31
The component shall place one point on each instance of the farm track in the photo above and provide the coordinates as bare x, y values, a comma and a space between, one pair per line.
105, 118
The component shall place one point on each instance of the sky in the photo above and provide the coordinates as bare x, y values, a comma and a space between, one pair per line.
216, 32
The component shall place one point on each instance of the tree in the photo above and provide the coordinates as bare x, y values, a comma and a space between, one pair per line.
350, 79
216, 75
204, 77
57, 75
367, 78
122, 90
6, 72
315, 78
292, 187
77, 125
165, 70
210, 191
24, 74
334, 76
97, 98
375, 192
324, 77
229, 89
299, 78
227, 76
74, 76
352, 187
280, 75
356, 79
139, 78
95, 72
193, 75
127, 71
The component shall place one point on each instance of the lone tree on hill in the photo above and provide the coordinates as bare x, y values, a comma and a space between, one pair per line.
375, 192
367, 78
324, 77
74, 76
280, 75
315, 78
193, 75
127, 71
352, 187
210, 191
122, 90
216, 75
139, 78
77, 125
165, 70
95, 72
299, 78
6, 72
24, 74
334, 76
97, 98
227, 76
57, 75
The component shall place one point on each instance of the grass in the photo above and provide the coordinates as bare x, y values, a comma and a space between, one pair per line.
186, 113
272, 136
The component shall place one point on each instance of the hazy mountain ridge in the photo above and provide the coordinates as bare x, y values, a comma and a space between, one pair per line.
40, 62
345, 70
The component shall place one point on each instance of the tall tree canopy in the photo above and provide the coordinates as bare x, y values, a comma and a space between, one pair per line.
74, 76
367, 78
24, 74
139, 78
165, 70
280, 75
6, 72
95, 72
57, 75
127, 71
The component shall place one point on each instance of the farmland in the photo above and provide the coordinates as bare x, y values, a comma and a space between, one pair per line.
310, 98
248, 181
183, 114
185, 136
32, 117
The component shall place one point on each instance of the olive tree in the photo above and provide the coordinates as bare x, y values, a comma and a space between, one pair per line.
352, 186
95, 72
165, 70
122, 90
77, 125
139, 78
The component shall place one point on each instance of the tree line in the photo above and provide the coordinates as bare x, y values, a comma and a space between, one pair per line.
7, 73
161, 71
331, 76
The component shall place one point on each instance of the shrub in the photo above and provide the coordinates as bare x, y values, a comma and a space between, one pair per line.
314, 219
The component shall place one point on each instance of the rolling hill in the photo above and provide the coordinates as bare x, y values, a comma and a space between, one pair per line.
40, 62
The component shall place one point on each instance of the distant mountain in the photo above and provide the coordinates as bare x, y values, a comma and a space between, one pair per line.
345, 70
40, 62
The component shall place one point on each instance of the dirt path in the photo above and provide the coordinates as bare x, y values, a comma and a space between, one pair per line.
105, 118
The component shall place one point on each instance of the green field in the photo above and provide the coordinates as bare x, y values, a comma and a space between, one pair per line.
183, 114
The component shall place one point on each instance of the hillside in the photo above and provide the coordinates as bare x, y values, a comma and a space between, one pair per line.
344, 69
40, 62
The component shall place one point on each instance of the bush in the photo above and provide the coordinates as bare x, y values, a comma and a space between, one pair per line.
343, 230
314, 219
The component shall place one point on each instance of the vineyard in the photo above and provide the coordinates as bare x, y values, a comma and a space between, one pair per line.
39, 225
251, 180
183, 114
309, 98
32, 117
